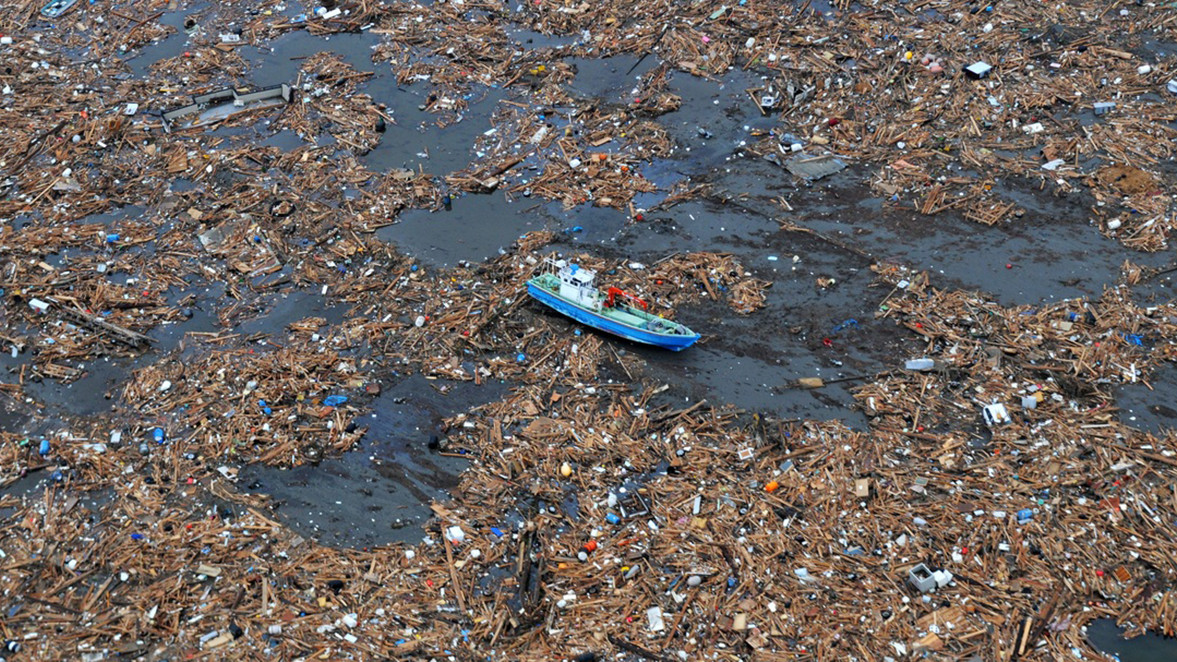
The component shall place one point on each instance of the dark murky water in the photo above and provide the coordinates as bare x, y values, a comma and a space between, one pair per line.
170, 46
1049, 258
474, 229
1106, 637
279, 62
87, 395
393, 472
1150, 409
291, 307
416, 141
715, 122
611, 78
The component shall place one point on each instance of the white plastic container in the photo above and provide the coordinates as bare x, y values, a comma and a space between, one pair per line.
920, 576
654, 619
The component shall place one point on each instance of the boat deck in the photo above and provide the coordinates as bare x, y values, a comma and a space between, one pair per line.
621, 313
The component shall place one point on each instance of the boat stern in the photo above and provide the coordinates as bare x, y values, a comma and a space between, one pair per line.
678, 343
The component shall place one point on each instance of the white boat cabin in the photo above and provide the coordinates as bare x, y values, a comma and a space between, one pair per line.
577, 285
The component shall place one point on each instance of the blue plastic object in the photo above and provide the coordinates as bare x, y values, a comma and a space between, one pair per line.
334, 400
845, 325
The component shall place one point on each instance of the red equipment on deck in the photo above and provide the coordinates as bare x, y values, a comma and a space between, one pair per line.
614, 292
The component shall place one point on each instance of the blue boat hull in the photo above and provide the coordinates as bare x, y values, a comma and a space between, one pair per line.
57, 8
588, 318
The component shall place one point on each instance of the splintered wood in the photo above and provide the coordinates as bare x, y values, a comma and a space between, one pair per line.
217, 295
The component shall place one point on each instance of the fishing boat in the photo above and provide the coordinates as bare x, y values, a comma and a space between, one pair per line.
57, 8
572, 290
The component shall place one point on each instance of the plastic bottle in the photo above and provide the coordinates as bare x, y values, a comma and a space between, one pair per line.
158, 435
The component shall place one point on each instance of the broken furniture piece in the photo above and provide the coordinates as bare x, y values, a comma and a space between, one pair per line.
220, 105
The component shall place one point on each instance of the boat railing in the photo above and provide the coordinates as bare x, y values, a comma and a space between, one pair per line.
550, 265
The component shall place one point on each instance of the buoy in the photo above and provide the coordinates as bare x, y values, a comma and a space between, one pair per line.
588, 548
